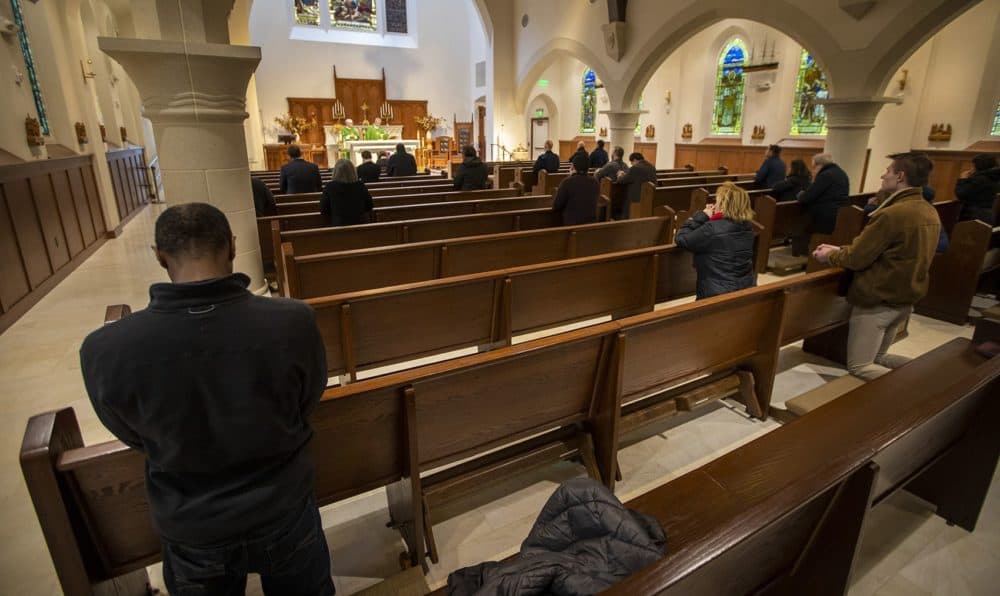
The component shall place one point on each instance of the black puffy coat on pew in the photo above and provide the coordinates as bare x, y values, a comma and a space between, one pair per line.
584, 541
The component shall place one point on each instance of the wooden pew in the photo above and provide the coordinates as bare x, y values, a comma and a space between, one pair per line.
310, 202
349, 271
382, 431
955, 274
785, 513
677, 197
549, 182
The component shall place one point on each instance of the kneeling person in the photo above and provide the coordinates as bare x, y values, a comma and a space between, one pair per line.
721, 238
214, 385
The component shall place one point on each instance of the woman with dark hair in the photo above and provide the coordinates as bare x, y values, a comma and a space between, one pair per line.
798, 179
346, 200
978, 188
472, 174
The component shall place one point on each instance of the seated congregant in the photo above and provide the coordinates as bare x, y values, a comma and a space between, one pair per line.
827, 194
299, 175
346, 200
383, 161
547, 161
721, 238
581, 149
978, 188
368, 171
798, 180
402, 163
772, 171
472, 173
576, 198
219, 406
263, 200
639, 172
598, 157
611, 169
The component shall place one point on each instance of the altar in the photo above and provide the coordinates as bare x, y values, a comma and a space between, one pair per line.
355, 148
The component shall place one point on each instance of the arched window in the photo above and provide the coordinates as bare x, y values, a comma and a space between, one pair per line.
730, 84
588, 101
809, 117
29, 66
996, 122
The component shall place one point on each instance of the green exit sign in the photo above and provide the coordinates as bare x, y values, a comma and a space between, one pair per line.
543, 82
539, 112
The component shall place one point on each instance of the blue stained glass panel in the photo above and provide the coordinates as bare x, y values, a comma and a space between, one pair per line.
730, 84
809, 117
588, 105
29, 65
996, 122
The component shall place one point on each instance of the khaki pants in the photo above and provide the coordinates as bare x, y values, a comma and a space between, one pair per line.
872, 331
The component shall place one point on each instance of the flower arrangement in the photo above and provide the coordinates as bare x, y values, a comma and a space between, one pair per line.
428, 122
294, 124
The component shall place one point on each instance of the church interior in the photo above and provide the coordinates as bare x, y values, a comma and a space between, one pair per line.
479, 353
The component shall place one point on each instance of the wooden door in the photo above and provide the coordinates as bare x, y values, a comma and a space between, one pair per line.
481, 123
539, 134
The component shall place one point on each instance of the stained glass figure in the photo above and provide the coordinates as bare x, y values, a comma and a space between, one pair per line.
588, 102
306, 12
809, 117
29, 65
637, 122
395, 16
357, 15
730, 84
996, 122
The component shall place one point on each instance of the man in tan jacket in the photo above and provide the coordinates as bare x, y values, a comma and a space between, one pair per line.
890, 259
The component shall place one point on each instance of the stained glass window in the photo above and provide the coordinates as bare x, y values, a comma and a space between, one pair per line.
29, 65
357, 15
588, 102
306, 12
637, 122
395, 16
996, 122
730, 83
809, 117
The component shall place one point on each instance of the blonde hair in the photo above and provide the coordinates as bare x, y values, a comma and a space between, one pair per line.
733, 202
343, 171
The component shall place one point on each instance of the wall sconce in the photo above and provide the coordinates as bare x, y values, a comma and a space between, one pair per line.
83, 70
902, 80
666, 98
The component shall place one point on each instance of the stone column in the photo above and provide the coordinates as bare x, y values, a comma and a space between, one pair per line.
621, 129
849, 123
195, 96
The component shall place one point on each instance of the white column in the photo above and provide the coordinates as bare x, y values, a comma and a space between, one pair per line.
621, 129
849, 123
195, 96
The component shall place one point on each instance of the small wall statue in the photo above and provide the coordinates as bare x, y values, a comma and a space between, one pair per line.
124, 133
81, 133
688, 132
104, 134
758, 133
33, 131
603, 132
940, 132
650, 131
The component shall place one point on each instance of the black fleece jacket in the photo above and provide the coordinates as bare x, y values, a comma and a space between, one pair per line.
215, 386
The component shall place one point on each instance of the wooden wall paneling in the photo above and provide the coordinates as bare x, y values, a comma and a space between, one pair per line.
48, 216
684, 156
13, 279
130, 166
94, 199
648, 151
28, 231
87, 228
404, 112
116, 186
948, 168
72, 231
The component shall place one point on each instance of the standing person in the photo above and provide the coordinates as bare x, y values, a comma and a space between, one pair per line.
547, 161
299, 175
383, 162
798, 180
402, 163
472, 173
215, 385
581, 149
346, 200
599, 157
772, 171
891, 260
576, 197
721, 238
368, 171
978, 188
822, 199
263, 200
611, 169
639, 172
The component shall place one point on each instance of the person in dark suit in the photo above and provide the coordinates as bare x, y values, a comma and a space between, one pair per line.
402, 163
640, 171
611, 169
472, 174
772, 171
547, 161
368, 171
346, 201
576, 197
599, 157
822, 199
978, 188
798, 179
263, 200
383, 161
581, 149
299, 175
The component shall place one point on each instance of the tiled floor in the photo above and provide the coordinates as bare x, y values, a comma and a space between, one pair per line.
907, 549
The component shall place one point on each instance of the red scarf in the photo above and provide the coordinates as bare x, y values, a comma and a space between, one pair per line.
717, 215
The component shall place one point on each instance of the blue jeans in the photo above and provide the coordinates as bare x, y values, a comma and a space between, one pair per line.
293, 560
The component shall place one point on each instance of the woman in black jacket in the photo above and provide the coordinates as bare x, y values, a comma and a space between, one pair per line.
978, 188
346, 200
472, 174
798, 179
721, 238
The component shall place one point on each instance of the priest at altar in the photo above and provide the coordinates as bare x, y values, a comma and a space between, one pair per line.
347, 141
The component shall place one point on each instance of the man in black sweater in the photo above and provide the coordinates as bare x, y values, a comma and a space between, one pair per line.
299, 175
263, 200
576, 198
639, 172
547, 161
402, 163
828, 192
599, 157
214, 386
368, 171
472, 174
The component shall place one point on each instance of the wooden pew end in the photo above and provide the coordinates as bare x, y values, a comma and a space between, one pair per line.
116, 312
